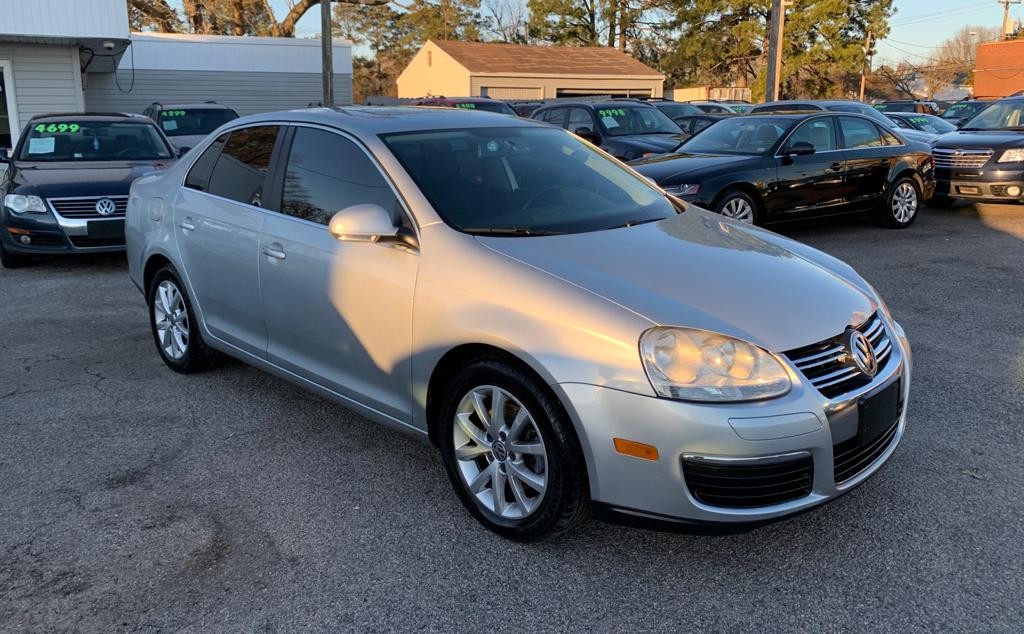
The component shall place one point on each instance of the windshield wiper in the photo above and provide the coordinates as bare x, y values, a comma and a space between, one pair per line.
509, 231
632, 223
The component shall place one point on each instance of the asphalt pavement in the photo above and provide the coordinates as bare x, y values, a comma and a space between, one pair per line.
136, 499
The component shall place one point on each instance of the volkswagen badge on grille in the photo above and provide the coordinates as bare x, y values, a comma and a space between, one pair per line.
105, 207
860, 350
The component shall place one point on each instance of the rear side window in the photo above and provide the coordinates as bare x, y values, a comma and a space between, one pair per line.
579, 118
199, 176
889, 138
241, 169
859, 134
326, 173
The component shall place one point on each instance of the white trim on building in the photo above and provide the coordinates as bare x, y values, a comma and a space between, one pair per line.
7, 70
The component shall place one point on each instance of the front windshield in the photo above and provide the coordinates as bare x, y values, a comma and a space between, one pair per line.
742, 135
76, 140
930, 123
623, 120
674, 110
524, 181
194, 121
1002, 115
965, 109
488, 106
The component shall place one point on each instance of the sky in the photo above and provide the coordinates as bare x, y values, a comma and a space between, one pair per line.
917, 27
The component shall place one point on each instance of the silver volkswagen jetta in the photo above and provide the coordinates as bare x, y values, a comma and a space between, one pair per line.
562, 330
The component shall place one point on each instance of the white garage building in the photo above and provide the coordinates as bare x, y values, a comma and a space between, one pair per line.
73, 56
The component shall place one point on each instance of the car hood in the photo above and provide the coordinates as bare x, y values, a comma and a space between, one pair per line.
664, 167
700, 270
650, 142
108, 178
981, 139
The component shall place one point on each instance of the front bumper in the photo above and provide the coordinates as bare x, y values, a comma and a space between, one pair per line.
51, 234
799, 425
986, 184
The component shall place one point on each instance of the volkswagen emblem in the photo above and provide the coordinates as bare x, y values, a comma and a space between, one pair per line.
860, 350
500, 450
105, 207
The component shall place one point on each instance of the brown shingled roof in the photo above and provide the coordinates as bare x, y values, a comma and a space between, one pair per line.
493, 57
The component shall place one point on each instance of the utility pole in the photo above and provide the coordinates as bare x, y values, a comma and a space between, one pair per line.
1007, 29
775, 35
867, 65
327, 48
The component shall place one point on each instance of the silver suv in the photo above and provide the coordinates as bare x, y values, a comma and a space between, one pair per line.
566, 333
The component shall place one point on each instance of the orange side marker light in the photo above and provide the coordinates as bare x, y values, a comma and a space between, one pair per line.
636, 449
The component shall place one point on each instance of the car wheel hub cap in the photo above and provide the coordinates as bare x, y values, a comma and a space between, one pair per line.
171, 319
904, 202
738, 209
499, 453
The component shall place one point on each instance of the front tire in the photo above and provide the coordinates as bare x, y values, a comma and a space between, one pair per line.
511, 452
902, 204
738, 205
174, 325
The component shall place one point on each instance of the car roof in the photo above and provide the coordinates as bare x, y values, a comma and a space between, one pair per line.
605, 103
373, 120
192, 106
90, 116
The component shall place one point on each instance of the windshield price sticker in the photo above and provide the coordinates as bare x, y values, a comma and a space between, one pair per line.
54, 128
172, 114
471, 106
611, 112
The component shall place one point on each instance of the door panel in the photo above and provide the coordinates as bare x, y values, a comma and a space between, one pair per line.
337, 313
868, 161
808, 183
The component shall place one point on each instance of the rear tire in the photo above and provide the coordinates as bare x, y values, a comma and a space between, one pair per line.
902, 204
13, 260
528, 450
175, 327
738, 205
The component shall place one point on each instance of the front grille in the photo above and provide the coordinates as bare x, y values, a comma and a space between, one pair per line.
748, 485
961, 158
827, 364
850, 458
83, 241
85, 207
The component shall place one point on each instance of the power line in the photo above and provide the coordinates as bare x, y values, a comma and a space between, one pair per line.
938, 15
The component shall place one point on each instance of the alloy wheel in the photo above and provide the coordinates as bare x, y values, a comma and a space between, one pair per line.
904, 203
499, 452
738, 209
171, 319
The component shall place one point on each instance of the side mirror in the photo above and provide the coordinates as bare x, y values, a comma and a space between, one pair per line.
364, 223
587, 134
800, 148
5, 155
182, 151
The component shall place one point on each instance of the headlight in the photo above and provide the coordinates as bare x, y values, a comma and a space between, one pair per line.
683, 190
697, 365
1012, 156
22, 204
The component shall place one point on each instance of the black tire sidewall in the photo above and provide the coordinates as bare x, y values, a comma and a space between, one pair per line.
564, 459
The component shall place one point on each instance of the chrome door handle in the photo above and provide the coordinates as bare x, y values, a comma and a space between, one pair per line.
187, 225
274, 251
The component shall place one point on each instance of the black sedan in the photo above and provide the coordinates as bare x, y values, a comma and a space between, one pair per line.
759, 169
922, 122
625, 129
66, 185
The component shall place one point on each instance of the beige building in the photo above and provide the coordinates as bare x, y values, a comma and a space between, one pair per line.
513, 71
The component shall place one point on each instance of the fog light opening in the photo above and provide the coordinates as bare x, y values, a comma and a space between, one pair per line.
1013, 190
25, 239
636, 449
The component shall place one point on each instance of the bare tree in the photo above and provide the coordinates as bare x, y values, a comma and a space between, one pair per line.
506, 20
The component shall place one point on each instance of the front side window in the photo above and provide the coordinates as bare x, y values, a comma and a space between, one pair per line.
859, 134
627, 119
194, 121
524, 181
77, 140
740, 135
818, 132
326, 173
241, 168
